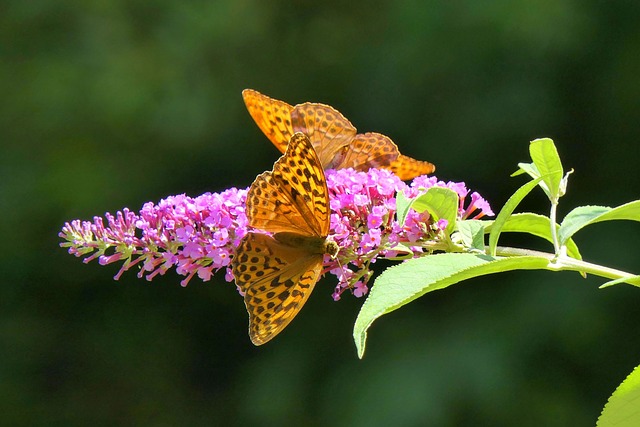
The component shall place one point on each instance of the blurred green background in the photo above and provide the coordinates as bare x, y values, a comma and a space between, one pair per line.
107, 104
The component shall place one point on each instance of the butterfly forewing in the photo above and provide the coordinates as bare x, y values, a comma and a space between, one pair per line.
272, 116
408, 168
277, 280
293, 197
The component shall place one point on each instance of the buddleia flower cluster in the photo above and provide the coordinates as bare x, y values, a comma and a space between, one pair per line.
364, 224
198, 236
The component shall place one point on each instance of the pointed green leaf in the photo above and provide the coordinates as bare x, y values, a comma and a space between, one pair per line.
472, 233
531, 170
623, 407
632, 280
506, 212
545, 156
441, 203
404, 283
537, 225
582, 216
403, 204
528, 168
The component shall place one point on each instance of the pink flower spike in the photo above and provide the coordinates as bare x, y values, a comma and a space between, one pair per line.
198, 236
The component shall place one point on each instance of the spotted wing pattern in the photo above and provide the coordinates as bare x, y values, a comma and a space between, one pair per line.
329, 131
277, 274
276, 280
335, 139
369, 150
293, 197
273, 117
407, 168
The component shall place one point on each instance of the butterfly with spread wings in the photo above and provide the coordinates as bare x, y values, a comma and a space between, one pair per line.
335, 139
278, 273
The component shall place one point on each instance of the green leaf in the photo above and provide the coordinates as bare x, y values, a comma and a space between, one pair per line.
545, 156
472, 233
623, 407
507, 210
632, 280
531, 170
537, 225
441, 203
582, 216
404, 283
528, 168
403, 204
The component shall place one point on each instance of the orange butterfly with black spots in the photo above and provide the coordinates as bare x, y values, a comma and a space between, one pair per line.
278, 273
334, 138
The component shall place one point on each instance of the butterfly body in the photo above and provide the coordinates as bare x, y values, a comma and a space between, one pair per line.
278, 272
314, 245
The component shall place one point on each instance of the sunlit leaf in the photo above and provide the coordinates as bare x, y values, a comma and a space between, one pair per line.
506, 212
623, 407
404, 283
441, 203
403, 204
633, 280
545, 156
582, 216
472, 233
537, 225
528, 168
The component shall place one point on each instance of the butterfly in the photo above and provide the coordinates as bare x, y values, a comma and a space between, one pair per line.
278, 273
335, 139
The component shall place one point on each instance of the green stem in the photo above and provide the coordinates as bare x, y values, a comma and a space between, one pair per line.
566, 263
554, 231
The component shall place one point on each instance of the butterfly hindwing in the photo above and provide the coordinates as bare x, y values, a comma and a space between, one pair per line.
276, 280
369, 150
406, 167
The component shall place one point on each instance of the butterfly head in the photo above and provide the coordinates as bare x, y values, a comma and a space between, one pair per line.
331, 248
